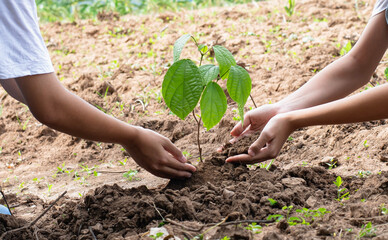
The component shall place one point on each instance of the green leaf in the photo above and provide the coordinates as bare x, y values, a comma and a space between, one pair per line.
239, 84
209, 72
202, 48
225, 59
213, 105
386, 70
178, 46
182, 87
239, 87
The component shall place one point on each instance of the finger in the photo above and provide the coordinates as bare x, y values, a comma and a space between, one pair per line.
173, 163
175, 152
168, 172
263, 140
244, 159
248, 131
239, 128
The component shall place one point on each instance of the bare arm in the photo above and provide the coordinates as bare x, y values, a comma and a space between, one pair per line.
336, 81
58, 108
312, 98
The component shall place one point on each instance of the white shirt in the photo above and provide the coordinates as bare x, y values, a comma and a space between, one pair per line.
22, 48
381, 5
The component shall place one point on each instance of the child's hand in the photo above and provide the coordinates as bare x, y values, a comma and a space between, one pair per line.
158, 155
254, 121
269, 143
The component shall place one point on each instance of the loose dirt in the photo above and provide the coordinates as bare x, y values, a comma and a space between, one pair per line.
118, 66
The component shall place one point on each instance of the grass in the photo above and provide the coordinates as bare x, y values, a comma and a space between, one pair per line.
71, 10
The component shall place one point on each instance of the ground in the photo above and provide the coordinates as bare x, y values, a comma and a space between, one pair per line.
118, 66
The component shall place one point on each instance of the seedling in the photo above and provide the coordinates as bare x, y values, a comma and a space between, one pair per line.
332, 163
365, 144
185, 84
254, 227
367, 231
363, 174
267, 166
304, 216
385, 73
130, 175
383, 209
273, 202
342, 193
290, 9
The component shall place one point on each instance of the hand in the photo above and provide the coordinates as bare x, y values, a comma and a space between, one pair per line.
269, 143
158, 155
254, 121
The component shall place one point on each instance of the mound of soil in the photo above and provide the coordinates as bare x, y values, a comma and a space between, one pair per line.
218, 190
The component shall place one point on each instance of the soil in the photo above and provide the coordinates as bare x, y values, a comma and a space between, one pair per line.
118, 64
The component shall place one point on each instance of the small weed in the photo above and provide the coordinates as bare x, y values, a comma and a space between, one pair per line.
267, 166
365, 144
332, 163
367, 230
290, 9
385, 73
273, 202
158, 235
130, 175
49, 187
342, 193
124, 162
383, 209
186, 154
254, 227
363, 174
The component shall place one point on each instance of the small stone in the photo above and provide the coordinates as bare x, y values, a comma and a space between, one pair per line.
293, 182
227, 194
97, 228
311, 201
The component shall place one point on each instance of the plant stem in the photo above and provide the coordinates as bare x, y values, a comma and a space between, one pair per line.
198, 132
253, 100
200, 62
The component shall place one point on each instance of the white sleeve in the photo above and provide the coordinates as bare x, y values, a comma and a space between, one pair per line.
23, 51
381, 5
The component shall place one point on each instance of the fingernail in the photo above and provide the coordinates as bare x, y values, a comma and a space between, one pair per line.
183, 159
219, 149
188, 175
251, 153
232, 140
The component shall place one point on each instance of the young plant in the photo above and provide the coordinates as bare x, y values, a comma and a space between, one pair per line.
185, 84
290, 9
254, 227
385, 73
342, 193
130, 175
367, 231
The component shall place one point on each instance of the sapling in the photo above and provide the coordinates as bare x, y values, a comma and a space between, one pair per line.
342, 193
185, 84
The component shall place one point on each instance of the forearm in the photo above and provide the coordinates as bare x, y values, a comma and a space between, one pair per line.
366, 106
57, 108
347, 73
336, 81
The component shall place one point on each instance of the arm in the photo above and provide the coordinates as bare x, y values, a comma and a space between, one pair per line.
361, 107
336, 81
56, 107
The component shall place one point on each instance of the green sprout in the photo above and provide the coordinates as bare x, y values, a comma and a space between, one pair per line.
342, 193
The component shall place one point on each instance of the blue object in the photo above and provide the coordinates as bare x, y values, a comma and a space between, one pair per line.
4, 210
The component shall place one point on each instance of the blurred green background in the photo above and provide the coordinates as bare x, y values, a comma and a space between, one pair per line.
70, 10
